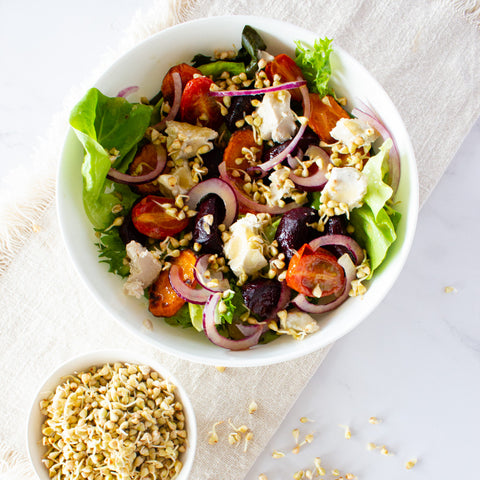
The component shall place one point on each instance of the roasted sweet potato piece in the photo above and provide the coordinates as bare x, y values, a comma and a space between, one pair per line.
164, 302
325, 113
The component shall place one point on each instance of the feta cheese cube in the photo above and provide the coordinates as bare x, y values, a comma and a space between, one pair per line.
144, 269
346, 185
178, 182
353, 133
278, 120
300, 322
244, 249
186, 141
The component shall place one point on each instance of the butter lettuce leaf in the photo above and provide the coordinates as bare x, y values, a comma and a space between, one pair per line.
315, 64
107, 125
375, 222
378, 192
373, 232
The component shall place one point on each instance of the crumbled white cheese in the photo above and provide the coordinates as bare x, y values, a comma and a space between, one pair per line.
299, 322
186, 141
278, 120
144, 269
353, 133
263, 55
178, 182
345, 186
244, 248
280, 187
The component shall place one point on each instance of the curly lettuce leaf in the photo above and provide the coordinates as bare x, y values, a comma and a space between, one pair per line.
375, 222
107, 124
315, 64
112, 251
181, 318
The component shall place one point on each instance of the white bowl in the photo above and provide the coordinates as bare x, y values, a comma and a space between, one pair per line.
83, 363
145, 66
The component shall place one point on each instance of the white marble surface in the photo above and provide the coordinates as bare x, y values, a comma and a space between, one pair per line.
415, 363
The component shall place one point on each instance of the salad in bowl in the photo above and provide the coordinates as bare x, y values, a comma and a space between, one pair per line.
245, 199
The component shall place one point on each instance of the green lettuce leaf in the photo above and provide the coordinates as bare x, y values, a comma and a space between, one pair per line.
315, 64
112, 251
181, 318
375, 222
105, 124
373, 232
378, 192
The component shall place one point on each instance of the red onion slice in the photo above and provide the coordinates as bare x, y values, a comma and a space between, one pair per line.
258, 91
283, 154
342, 240
185, 292
221, 188
127, 91
311, 183
247, 202
350, 274
177, 96
246, 329
394, 157
201, 267
127, 179
210, 328
293, 162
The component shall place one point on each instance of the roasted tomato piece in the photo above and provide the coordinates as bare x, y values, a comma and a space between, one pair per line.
311, 270
150, 217
325, 113
163, 300
288, 70
198, 107
186, 73
144, 162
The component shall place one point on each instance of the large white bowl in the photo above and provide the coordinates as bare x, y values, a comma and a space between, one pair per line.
98, 358
145, 66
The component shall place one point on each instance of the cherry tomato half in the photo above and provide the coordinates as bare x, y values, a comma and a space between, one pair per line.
198, 107
288, 70
186, 73
150, 217
308, 269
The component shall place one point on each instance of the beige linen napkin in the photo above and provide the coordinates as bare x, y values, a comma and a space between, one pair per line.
426, 55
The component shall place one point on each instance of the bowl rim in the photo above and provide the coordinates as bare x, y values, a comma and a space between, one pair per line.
404, 248
115, 355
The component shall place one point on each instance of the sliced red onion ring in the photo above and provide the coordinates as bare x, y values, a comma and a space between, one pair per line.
350, 274
341, 240
258, 91
201, 267
293, 161
177, 96
185, 292
283, 154
221, 188
210, 328
247, 329
247, 202
120, 177
127, 91
394, 157
311, 183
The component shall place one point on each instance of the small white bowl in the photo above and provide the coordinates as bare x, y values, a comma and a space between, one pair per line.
145, 66
83, 363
